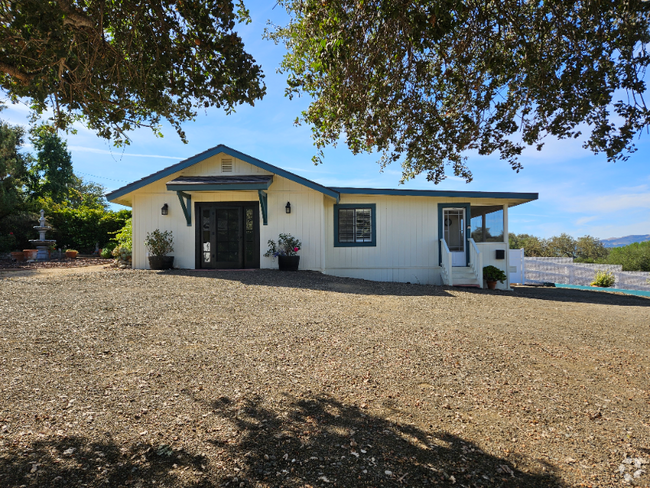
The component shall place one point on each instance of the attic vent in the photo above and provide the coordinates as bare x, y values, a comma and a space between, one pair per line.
226, 165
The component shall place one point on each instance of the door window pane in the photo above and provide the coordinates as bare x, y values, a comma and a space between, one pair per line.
454, 229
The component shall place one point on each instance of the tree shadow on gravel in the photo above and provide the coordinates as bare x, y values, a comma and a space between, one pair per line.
581, 296
314, 280
78, 461
321, 442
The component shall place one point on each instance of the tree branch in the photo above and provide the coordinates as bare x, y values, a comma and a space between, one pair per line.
74, 18
14, 72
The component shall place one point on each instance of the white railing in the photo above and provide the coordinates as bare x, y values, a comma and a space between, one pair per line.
445, 259
476, 261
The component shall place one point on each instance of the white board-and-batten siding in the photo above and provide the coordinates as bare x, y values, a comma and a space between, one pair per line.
304, 222
407, 238
406, 241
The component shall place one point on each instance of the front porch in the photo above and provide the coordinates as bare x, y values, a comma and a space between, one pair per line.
467, 245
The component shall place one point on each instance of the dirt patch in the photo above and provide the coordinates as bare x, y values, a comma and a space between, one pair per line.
113, 378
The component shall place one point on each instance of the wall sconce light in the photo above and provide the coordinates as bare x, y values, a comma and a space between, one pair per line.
288, 207
165, 209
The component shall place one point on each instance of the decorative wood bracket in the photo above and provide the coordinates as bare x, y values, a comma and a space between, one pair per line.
264, 205
186, 204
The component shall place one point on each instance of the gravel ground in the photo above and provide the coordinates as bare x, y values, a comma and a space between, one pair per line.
263, 378
6, 264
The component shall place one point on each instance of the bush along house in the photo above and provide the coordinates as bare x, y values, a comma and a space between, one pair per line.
223, 206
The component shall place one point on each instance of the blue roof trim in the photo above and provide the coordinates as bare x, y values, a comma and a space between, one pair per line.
436, 193
212, 152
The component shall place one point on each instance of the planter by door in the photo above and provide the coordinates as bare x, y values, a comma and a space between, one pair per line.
491, 285
288, 263
161, 262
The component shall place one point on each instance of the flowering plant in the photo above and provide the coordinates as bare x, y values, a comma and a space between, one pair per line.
287, 245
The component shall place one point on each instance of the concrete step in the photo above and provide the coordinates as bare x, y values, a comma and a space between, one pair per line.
464, 276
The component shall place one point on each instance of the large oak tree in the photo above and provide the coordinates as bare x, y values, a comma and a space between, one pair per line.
426, 81
122, 64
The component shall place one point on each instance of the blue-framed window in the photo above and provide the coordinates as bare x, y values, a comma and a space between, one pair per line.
355, 225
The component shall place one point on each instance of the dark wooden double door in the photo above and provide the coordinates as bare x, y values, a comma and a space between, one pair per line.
228, 235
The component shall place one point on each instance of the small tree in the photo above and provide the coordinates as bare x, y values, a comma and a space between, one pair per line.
51, 175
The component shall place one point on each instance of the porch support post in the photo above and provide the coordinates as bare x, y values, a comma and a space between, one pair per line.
506, 239
264, 206
186, 204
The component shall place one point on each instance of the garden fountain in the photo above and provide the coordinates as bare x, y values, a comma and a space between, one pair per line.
42, 244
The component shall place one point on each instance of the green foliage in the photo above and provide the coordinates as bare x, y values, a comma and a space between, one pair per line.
533, 246
13, 169
107, 250
562, 246
492, 273
604, 279
425, 82
22, 224
51, 175
287, 245
124, 236
122, 255
159, 243
125, 64
86, 194
84, 227
584, 249
635, 257
8, 242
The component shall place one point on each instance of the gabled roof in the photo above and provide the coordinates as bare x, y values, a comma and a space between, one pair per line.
334, 192
170, 170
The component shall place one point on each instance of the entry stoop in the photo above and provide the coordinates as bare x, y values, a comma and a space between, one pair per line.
464, 277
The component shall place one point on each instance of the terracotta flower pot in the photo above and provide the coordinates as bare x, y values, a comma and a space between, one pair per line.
491, 284
71, 254
30, 254
18, 256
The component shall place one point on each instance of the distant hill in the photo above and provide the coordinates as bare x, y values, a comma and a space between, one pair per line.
624, 241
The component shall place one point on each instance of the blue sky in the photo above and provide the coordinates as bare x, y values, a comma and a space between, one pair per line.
579, 193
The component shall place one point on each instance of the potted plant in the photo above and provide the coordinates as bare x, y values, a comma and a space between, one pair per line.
286, 250
30, 254
158, 245
18, 256
492, 274
71, 253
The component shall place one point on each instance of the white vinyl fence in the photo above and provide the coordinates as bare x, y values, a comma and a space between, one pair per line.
566, 272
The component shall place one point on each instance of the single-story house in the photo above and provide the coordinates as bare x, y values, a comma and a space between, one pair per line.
223, 206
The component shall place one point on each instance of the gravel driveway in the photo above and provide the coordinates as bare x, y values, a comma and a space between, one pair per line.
262, 378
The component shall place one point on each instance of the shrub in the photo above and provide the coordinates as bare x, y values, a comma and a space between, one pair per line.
21, 224
107, 250
492, 273
122, 255
287, 246
604, 279
124, 236
84, 227
159, 243
634, 257
8, 242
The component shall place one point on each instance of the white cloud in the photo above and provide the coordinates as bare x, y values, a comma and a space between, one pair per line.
118, 153
585, 220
